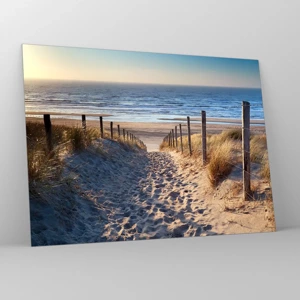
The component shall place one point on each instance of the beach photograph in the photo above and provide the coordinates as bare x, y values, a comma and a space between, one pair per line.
126, 145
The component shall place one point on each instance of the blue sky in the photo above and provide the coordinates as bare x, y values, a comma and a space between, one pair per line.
67, 63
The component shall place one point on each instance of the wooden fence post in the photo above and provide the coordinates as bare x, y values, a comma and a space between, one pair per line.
169, 139
189, 134
123, 134
111, 130
127, 134
101, 127
119, 131
204, 150
83, 122
180, 132
173, 142
246, 148
176, 142
48, 129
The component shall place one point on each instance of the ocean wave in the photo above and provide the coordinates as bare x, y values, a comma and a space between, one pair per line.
138, 101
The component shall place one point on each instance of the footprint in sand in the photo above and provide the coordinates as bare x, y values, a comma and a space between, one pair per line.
173, 195
180, 230
207, 227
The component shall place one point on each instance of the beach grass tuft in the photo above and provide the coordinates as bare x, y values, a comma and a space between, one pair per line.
219, 165
265, 167
232, 134
258, 146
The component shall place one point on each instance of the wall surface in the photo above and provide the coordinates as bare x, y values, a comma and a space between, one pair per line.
264, 30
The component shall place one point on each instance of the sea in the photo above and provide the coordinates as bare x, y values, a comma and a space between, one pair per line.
140, 102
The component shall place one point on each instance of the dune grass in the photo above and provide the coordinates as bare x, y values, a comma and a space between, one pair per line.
219, 165
265, 168
258, 146
224, 151
46, 166
259, 154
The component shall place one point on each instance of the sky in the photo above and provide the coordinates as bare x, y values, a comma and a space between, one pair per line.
85, 64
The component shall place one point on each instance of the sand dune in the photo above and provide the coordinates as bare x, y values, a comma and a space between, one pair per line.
117, 194
112, 193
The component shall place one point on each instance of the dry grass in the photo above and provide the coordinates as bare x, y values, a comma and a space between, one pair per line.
225, 150
212, 141
219, 165
44, 165
258, 147
196, 141
259, 154
232, 134
265, 167
164, 146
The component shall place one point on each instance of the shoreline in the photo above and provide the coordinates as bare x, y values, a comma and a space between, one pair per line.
218, 120
151, 133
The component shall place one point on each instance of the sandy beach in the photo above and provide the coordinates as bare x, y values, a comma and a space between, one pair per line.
152, 134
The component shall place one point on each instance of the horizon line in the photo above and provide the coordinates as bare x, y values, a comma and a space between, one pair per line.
141, 83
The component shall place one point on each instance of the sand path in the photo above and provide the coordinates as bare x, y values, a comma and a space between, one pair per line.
135, 195
160, 203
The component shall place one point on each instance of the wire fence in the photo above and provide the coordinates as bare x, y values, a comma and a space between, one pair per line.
176, 142
115, 133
